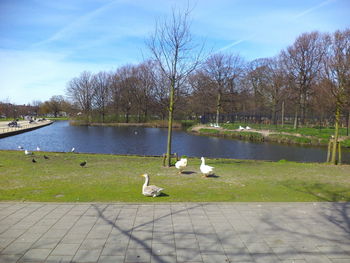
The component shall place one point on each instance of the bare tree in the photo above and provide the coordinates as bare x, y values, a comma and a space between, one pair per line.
80, 91
303, 62
337, 76
172, 48
223, 70
146, 84
102, 92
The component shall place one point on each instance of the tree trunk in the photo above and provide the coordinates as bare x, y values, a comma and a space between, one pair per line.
274, 112
347, 126
218, 106
170, 123
336, 134
296, 118
282, 114
127, 117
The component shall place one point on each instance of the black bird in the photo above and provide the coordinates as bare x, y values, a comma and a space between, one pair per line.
46, 157
33, 160
83, 164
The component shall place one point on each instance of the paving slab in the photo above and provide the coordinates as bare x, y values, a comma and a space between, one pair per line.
174, 232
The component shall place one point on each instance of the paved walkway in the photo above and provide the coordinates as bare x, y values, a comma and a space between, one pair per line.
24, 126
182, 232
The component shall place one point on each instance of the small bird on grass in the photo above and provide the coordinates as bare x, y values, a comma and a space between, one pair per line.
33, 160
73, 149
27, 152
83, 164
46, 157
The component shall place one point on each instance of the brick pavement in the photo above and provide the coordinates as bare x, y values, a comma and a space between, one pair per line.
179, 232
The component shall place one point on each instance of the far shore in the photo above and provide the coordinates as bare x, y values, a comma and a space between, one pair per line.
262, 135
157, 124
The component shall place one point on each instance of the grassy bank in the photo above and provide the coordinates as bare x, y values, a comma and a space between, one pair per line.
117, 178
271, 133
152, 124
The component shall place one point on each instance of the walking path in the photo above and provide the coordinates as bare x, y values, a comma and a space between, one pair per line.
23, 126
175, 232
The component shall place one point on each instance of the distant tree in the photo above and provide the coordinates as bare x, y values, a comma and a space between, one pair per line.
223, 70
171, 46
36, 106
336, 70
302, 61
55, 104
145, 74
80, 91
101, 92
256, 80
201, 93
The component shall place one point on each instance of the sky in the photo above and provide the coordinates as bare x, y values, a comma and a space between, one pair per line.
46, 43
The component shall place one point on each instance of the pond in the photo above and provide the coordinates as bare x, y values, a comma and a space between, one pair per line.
61, 137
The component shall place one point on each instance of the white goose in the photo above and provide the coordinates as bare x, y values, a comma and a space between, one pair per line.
241, 128
150, 190
206, 169
181, 164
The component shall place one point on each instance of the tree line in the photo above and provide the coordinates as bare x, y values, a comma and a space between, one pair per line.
310, 78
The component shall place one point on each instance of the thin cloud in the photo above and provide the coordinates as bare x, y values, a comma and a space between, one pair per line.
307, 11
77, 24
236, 43
303, 13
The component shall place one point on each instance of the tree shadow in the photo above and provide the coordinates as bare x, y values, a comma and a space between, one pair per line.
231, 234
339, 198
138, 240
321, 192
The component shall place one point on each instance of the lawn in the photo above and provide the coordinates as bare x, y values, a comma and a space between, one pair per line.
288, 135
117, 178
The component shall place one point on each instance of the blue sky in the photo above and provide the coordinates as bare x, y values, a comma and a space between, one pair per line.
45, 43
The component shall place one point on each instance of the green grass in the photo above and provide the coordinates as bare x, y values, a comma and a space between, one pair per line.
282, 138
117, 178
319, 132
58, 118
301, 136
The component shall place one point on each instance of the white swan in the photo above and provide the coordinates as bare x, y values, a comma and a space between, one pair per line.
206, 169
181, 164
150, 190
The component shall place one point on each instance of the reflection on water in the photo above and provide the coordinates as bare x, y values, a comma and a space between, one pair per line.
61, 137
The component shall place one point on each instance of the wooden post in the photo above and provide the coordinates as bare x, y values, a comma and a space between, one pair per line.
329, 151
339, 153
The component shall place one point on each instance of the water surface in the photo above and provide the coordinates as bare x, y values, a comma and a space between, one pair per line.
61, 137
